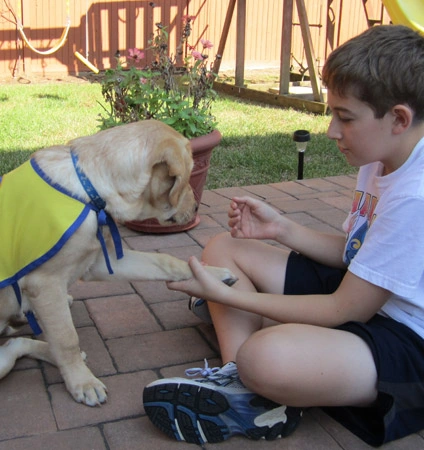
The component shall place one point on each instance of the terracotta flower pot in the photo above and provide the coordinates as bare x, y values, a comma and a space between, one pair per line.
201, 147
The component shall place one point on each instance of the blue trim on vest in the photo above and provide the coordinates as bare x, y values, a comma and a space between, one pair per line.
103, 218
61, 242
13, 281
55, 249
39, 171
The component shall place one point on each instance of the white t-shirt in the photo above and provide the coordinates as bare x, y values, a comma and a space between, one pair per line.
385, 236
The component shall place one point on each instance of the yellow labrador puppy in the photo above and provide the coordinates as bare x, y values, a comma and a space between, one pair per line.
57, 226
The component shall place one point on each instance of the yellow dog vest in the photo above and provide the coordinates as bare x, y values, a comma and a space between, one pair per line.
36, 219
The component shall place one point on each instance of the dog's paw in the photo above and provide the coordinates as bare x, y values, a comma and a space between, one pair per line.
84, 386
223, 274
8, 356
91, 393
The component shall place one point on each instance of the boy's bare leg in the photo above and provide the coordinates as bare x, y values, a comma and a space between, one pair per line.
306, 365
258, 266
294, 364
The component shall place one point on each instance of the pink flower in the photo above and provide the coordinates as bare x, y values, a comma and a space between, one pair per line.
197, 55
206, 43
135, 54
143, 80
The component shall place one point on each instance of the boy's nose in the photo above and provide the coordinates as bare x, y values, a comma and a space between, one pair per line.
333, 132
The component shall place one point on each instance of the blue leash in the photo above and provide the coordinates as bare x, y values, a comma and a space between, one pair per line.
29, 314
103, 218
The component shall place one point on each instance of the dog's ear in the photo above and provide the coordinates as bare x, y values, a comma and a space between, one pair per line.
176, 191
180, 165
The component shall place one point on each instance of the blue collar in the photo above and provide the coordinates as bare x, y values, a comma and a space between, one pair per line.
103, 218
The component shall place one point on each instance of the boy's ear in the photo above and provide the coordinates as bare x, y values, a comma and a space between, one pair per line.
403, 117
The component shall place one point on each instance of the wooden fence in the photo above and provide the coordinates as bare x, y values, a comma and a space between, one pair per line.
98, 29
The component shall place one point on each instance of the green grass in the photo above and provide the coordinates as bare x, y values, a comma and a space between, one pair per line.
257, 145
37, 116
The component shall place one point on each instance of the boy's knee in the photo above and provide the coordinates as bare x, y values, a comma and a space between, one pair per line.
261, 357
217, 248
253, 357
219, 240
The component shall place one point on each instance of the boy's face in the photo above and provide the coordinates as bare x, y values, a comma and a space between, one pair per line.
359, 135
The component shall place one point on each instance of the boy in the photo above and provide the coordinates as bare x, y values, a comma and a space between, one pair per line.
347, 311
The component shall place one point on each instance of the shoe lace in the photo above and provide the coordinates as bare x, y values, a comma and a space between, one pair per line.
206, 372
219, 376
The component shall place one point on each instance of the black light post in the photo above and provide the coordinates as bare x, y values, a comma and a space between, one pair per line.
301, 138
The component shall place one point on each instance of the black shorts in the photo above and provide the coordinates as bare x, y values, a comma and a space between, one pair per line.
398, 354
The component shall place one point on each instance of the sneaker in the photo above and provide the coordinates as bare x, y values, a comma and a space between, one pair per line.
199, 307
214, 408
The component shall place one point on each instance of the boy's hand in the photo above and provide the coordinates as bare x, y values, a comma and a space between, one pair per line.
251, 218
203, 284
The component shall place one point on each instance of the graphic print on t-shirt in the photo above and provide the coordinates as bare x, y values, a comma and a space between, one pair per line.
360, 219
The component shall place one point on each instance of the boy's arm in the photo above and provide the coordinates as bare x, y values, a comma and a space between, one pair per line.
355, 299
253, 219
324, 248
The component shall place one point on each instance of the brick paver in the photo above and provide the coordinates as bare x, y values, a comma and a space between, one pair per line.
134, 333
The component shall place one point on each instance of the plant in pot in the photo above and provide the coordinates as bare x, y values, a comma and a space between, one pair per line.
174, 88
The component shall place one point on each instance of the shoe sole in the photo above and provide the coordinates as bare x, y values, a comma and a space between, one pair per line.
196, 415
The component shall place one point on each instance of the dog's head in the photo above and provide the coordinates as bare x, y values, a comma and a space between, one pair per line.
168, 196
142, 170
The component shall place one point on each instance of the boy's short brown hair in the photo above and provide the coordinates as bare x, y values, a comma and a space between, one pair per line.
383, 67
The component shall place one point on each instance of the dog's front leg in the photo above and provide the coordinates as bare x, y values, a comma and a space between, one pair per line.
52, 309
141, 266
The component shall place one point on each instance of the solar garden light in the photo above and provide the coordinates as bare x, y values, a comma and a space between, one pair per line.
301, 138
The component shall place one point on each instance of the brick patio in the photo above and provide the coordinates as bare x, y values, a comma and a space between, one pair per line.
151, 335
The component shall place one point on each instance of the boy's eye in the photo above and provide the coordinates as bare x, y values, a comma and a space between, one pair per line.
342, 117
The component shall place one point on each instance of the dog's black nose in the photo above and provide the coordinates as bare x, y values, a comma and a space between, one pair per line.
172, 219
